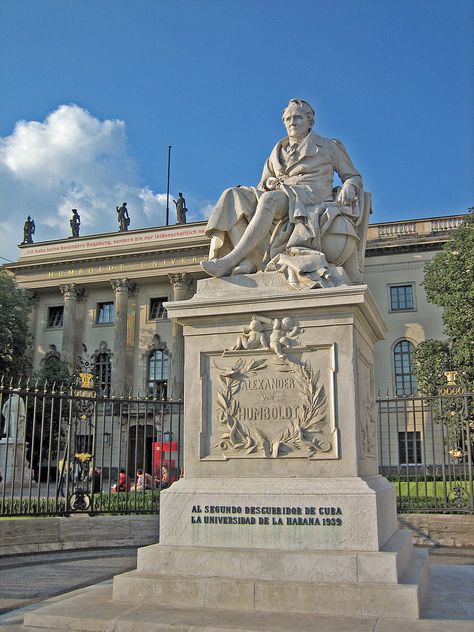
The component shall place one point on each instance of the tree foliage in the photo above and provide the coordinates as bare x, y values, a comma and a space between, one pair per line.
449, 283
15, 337
54, 372
431, 360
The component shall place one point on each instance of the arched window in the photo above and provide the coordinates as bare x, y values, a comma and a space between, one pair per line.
405, 383
158, 374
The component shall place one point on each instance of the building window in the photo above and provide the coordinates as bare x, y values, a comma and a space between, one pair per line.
157, 374
157, 311
103, 373
405, 383
55, 317
409, 448
105, 313
401, 298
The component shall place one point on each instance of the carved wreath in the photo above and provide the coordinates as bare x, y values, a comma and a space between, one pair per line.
301, 433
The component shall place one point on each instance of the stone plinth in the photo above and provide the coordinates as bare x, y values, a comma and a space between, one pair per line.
281, 506
13, 464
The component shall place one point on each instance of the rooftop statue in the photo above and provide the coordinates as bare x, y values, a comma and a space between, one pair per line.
28, 230
75, 223
181, 209
123, 217
294, 221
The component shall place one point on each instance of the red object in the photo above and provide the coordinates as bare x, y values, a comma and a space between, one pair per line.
123, 484
165, 454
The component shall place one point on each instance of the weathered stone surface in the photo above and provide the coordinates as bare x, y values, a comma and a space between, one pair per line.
76, 532
350, 514
440, 529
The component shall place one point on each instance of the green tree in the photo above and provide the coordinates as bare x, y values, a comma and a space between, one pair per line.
15, 337
449, 283
47, 414
54, 372
431, 360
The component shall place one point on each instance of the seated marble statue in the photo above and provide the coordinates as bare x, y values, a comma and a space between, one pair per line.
294, 221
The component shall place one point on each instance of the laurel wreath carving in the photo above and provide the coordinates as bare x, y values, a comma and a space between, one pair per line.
301, 433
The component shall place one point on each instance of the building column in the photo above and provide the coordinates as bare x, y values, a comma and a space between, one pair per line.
122, 288
181, 282
71, 292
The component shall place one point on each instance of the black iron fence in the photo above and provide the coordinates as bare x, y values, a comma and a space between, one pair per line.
69, 450
66, 450
426, 448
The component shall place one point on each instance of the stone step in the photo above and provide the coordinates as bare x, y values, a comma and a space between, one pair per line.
258, 595
93, 611
386, 566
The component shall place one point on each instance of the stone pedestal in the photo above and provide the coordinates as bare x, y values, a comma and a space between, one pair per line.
13, 464
281, 506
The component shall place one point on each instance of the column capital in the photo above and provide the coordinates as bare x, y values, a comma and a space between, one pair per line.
71, 291
180, 280
124, 286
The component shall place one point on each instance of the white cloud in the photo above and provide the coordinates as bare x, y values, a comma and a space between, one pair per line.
71, 160
205, 211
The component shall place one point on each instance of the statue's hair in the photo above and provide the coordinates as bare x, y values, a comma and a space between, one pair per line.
305, 106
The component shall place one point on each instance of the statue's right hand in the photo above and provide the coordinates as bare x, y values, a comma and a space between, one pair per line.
272, 183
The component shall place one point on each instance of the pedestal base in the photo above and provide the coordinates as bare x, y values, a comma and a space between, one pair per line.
388, 583
336, 514
319, 546
14, 456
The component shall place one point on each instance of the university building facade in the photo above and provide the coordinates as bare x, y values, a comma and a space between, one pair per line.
104, 296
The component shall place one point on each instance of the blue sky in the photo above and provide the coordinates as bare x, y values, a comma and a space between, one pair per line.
103, 87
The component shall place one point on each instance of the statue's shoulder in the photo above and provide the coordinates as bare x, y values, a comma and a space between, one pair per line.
337, 142
338, 147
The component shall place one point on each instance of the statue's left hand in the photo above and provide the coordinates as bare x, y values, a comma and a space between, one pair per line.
347, 194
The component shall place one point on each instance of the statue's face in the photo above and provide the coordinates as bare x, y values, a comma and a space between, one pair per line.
296, 123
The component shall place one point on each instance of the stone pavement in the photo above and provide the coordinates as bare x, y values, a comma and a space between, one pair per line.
26, 579
449, 606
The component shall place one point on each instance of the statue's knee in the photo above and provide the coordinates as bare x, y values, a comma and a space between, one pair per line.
274, 201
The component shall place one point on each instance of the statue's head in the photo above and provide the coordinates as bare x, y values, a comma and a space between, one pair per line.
298, 111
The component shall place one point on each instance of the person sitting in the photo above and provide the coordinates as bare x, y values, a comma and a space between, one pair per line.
123, 484
163, 479
144, 481
292, 207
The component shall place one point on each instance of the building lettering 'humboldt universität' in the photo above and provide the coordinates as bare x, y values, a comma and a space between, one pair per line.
108, 292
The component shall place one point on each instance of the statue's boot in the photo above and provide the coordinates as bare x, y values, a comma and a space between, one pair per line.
245, 267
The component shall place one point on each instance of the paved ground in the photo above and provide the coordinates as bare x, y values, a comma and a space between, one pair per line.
27, 580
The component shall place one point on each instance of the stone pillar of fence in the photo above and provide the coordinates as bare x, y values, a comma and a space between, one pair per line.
122, 289
181, 284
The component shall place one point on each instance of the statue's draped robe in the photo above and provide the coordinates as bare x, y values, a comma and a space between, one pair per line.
306, 176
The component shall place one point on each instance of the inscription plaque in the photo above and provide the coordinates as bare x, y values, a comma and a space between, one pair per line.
260, 404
